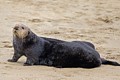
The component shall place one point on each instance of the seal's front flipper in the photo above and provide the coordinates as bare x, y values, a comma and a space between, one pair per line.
27, 64
31, 61
15, 57
11, 60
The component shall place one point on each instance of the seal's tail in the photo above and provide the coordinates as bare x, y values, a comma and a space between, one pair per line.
107, 62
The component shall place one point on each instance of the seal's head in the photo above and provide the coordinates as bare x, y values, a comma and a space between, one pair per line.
21, 31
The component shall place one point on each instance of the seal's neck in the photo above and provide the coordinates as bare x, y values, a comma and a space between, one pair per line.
30, 39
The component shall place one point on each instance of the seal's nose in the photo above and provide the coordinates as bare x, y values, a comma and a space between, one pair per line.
16, 27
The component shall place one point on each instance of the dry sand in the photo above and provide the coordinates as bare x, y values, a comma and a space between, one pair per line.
97, 21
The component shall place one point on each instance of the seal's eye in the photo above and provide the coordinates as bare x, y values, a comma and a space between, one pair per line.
22, 27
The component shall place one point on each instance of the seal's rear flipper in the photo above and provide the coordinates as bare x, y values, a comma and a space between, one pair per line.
107, 62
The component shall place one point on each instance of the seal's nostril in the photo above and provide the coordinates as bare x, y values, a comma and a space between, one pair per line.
16, 28
14, 31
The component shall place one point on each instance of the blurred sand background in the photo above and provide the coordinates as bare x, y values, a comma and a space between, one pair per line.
97, 21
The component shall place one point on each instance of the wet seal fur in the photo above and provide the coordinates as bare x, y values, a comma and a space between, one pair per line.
54, 52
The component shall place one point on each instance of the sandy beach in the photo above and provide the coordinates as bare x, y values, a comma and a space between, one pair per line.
96, 21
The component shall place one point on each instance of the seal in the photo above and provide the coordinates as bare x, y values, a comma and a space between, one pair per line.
54, 52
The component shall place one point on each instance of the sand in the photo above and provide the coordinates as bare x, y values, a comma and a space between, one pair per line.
97, 21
